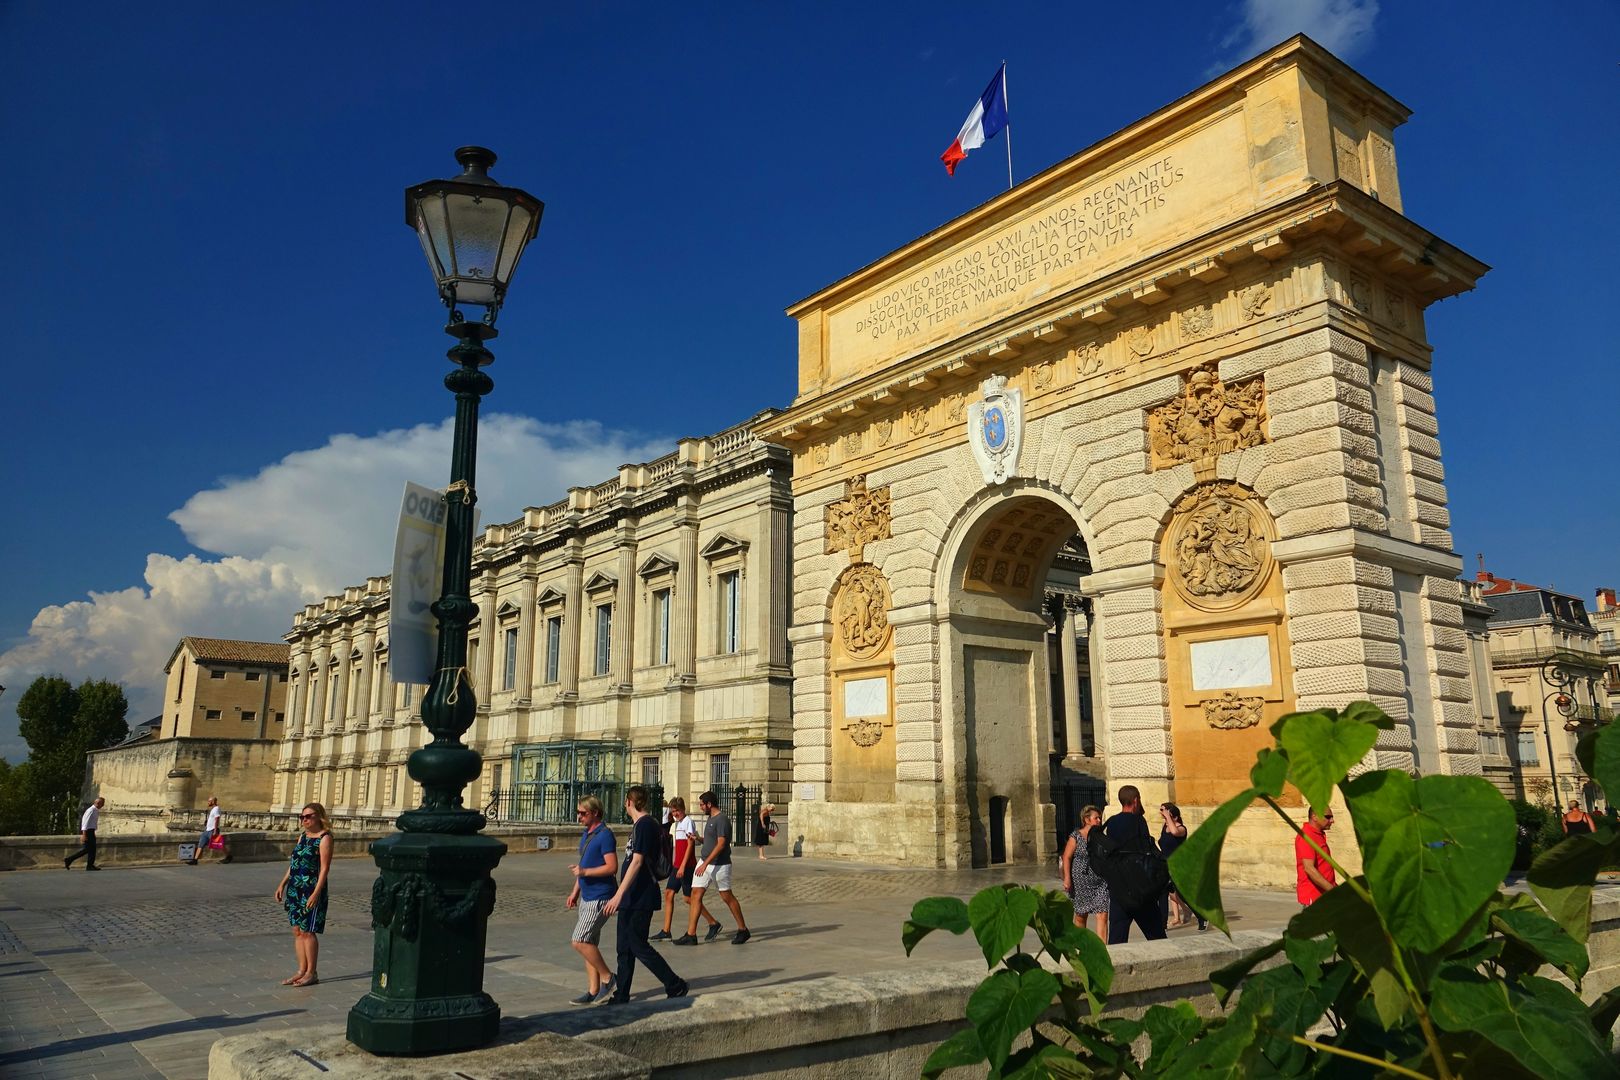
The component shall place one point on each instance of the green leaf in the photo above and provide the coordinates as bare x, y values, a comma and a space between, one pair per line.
1196, 865
1539, 1029
1434, 849
1226, 1052
1309, 954
1000, 915
1270, 772
1170, 1029
1048, 1060
1563, 875
1599, 754
1604, 1011
934, 913
1360, 937
1322, 750
1545, 939
1225, 979
1005, 1006
1092, 954
959, 1050
1367, 713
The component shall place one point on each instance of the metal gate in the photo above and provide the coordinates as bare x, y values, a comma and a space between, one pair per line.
1070, 797
745, 805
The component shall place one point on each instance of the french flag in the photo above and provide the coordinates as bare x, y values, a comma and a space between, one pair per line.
988, 117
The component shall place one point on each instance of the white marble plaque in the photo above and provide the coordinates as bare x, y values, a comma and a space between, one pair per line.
1230, 664
807, 792
866, 697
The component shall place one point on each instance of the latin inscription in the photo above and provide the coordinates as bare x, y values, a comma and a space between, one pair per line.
1061, 239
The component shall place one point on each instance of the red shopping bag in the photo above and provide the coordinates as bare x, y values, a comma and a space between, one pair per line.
216, 842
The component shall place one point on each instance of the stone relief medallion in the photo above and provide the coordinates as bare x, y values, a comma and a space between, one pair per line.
917, 420
1196, 322
955, 409
1253, 301
865, 733
995, 429
1360, 294
820, 454
861, 612
1396, 304
852, 443
1041, 375
1217, 547
1229, 712
1208, 419
1087, 359
884, 429
1140, 341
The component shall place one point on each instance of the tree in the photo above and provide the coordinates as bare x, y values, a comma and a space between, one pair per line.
61, 723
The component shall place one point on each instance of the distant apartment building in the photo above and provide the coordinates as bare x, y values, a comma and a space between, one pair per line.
1532, 630
633, 632
1606, 619
224, 708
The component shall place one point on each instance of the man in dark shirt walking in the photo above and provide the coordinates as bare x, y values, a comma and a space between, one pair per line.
639, 896
1129, 836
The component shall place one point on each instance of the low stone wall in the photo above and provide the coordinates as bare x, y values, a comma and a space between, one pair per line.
47, 852
874, 1027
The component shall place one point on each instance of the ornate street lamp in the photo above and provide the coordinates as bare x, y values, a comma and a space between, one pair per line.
431, 902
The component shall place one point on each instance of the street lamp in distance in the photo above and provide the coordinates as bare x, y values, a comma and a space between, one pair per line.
431, 902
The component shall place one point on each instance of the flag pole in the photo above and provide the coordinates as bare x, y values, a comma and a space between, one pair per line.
1008, 103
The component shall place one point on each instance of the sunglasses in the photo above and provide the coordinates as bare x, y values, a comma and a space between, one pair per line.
306, 817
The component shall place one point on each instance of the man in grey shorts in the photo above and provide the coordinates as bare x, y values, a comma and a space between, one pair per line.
593, 888
714, 870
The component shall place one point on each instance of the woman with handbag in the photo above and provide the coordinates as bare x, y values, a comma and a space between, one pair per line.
763, 829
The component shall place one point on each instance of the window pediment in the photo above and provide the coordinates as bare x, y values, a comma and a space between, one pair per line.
600, 582
507, 610
657, 566
550, 597
722, 545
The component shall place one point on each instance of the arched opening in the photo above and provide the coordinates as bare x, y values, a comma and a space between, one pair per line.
1020, 648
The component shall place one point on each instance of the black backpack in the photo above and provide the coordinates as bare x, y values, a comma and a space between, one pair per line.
1134, 869
663, 858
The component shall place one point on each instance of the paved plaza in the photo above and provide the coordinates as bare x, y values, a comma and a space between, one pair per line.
136, 972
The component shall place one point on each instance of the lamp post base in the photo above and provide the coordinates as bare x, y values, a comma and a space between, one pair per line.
430, 909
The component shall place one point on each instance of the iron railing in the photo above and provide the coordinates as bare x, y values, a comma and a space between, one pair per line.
553, 802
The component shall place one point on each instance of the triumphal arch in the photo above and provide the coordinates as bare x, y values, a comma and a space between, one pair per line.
1170, 400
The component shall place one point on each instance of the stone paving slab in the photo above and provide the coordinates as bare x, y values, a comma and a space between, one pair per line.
135, 973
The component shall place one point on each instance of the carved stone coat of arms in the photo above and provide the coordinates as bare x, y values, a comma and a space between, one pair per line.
996, 428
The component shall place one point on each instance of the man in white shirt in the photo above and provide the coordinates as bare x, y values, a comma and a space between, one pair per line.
211, 830
87, 836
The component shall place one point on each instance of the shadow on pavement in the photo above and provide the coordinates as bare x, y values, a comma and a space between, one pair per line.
116, 1038
791, 930
723, 979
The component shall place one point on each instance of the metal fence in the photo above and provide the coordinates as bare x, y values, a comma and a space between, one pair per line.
745, 805
553, 802
1070, 797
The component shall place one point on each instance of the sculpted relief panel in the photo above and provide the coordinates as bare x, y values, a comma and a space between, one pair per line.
858, 518
1209, 418
861, 611
1217, 546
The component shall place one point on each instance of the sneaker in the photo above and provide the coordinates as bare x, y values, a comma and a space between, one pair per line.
685, 939
92, 868
67, 864
613, 999
742, 936
191, 862
607, 989
584, 999
678, 990
227, 858
662, 935
714, 932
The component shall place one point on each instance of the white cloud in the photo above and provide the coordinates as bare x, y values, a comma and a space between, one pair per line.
1343, 27
300, 529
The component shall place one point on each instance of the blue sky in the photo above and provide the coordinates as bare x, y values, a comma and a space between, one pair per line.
223, 349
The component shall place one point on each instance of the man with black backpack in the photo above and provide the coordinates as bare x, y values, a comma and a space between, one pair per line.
636, 901
1124, 855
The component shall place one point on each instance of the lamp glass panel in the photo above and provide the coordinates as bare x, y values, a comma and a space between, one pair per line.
435, 233
477, 225
517, 234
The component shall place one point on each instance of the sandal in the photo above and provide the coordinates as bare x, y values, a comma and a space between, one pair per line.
311, 980
292, 980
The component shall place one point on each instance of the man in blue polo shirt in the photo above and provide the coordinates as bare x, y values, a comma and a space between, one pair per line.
593, 887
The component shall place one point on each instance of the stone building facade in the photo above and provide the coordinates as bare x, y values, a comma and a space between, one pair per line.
224, 709
635, 631
1531, 628
1194, 352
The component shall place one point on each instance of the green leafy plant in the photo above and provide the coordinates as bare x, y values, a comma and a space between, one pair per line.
1421, 966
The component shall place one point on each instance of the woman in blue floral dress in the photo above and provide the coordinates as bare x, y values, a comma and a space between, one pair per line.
1086, 889
303, 891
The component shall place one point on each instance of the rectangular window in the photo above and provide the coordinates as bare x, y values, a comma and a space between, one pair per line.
249, 716
334, 697
216, 674
211, 714
382, 681
720, 774
649, 771
553, 647
405, 693
509, 679
1528, 752
604, 638
252, 676
660, 645
730, 611
281, 718
281, 677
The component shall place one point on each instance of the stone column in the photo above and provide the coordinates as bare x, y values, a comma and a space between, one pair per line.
685, 599
368, 673
772, 567
296, 689
1072, 739
624, 622
337, 711
488, 635
573, 614
526, 627
315, 715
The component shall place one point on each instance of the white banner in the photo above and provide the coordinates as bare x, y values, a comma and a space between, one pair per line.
418, 576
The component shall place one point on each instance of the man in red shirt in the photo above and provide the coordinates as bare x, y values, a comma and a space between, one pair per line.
1315, 873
